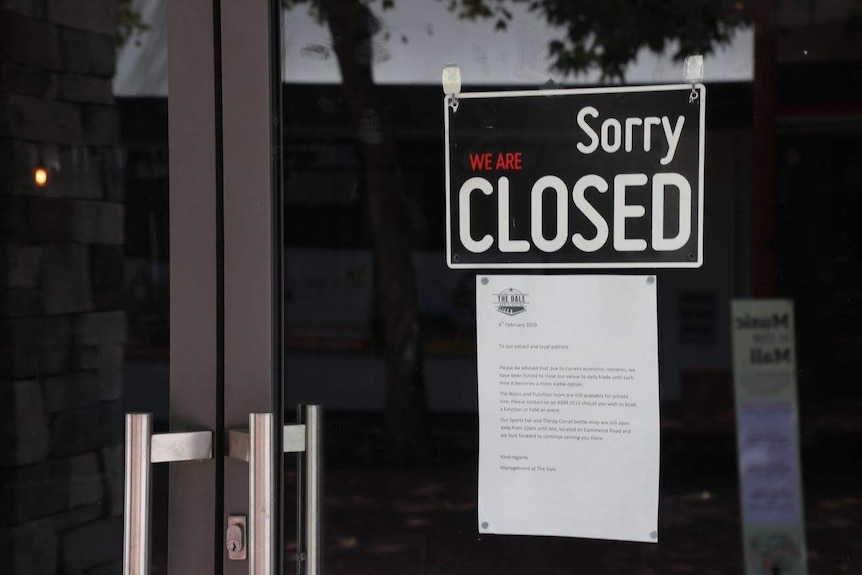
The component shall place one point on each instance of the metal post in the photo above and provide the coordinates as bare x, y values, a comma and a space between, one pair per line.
261, 496
136, 517
310, 493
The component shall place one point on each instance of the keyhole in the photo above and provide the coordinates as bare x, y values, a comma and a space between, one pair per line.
235, 541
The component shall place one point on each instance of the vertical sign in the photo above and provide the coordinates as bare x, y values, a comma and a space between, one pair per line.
767, 414
568, 406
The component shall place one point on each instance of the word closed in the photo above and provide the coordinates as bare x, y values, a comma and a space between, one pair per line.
622, 211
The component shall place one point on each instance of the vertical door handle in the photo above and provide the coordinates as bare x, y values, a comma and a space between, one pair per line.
261, 497
136, 500
143, 448
257, 446
310, 498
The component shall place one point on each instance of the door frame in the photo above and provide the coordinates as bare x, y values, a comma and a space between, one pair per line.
225, 261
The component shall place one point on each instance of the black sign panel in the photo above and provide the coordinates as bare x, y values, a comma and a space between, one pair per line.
595, 178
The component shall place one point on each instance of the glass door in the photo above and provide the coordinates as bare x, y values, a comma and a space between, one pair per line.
383, 334
225, 328
287, 174
227, 432
226, 436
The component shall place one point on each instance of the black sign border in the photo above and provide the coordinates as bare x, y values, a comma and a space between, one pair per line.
701, 100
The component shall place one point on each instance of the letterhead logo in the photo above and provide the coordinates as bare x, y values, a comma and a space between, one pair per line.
511, 301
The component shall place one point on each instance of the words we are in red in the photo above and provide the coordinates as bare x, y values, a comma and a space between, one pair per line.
504, 161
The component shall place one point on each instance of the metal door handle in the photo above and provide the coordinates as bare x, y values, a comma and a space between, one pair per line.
136, 504
143, 448
261, 500
257, 446
310, 497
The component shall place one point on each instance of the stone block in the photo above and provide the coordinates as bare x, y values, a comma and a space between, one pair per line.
29, 42
113, 422
40, 119
58, 220
31, 220
83, 217
31, 548
19, 302
110, 373
101, 125
87, 53
20, 159
112, 568
25, 436
78, 173
86, 357
108, 260
65, 278
55, 345
76, 517
46, 220
92, 545
110, 223
70, 391
33, 492
32, 8
108, 298
19, 265
80, 430
86, 483
100, 328
28, 81
14, 224
113, 182
91, 15
73, 171
35, 346
113, 462
85, 89
9, 166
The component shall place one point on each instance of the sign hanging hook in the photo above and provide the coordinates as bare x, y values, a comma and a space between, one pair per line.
452, 85
694, 75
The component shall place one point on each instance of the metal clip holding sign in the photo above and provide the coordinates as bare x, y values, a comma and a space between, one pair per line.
452, 85
693, 74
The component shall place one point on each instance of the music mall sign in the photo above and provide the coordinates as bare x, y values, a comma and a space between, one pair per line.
576, 178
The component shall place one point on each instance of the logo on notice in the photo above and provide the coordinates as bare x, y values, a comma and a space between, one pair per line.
511, 301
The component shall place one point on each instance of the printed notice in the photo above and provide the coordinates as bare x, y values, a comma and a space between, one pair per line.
568, 406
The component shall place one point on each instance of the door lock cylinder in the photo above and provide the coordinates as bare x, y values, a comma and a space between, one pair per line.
235, 538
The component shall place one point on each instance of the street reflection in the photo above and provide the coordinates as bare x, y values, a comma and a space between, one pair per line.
384, 520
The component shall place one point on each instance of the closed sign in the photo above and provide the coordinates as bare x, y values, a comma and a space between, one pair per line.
594, 178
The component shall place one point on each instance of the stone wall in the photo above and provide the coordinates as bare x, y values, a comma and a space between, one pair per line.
61, 275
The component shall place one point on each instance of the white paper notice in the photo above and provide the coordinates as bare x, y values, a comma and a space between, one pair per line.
568, 406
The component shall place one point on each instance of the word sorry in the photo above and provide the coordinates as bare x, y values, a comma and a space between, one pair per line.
616, 134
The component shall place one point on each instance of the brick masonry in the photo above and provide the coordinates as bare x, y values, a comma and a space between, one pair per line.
62, 327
